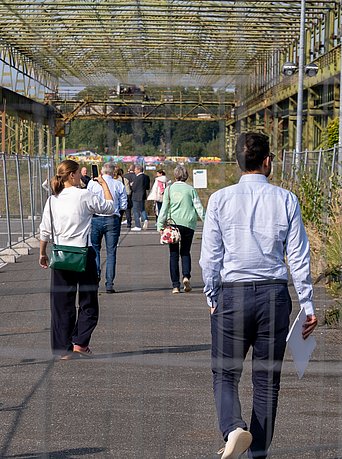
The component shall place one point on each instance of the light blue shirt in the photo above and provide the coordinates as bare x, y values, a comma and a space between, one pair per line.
248, 230
117, 190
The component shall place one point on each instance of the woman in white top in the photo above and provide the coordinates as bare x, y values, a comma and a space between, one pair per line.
72, 209
157, 191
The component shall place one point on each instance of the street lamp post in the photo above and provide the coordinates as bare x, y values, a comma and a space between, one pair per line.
339, 164
299, 133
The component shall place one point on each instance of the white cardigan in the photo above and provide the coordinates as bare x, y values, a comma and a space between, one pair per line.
72, 211
156, 194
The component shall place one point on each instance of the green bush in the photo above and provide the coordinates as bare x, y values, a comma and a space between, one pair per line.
331, 134
332, 316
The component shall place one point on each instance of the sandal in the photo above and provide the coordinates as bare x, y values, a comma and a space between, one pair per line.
85, 351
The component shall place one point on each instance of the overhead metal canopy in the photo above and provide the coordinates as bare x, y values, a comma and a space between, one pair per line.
153, 42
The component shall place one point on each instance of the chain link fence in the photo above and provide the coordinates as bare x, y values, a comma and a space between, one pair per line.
22, 196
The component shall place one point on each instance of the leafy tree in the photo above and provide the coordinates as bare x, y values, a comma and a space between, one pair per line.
331, 134
151, 137
90, 134
194, 149
96, 92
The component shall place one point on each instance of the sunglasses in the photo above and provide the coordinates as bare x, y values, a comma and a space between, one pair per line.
272, 156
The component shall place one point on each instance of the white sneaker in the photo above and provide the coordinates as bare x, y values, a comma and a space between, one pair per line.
175, 290
186, 284
124, 222
145, 225
238, 442
136, 228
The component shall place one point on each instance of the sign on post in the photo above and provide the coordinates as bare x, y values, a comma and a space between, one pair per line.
199, 178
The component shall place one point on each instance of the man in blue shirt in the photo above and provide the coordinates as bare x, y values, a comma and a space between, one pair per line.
108, 226
249, 228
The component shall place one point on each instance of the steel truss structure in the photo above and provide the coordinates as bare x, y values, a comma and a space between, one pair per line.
167, 43
156, 42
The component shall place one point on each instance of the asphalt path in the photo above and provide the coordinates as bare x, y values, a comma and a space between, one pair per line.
147, 393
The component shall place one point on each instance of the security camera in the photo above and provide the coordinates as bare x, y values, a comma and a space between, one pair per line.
311, 70
289, 68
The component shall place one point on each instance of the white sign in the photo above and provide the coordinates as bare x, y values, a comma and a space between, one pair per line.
199, 178
150, 168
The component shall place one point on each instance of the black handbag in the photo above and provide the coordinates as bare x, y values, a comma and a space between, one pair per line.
66, 257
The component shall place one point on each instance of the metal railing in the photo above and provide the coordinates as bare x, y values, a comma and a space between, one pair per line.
22, 196
324, 165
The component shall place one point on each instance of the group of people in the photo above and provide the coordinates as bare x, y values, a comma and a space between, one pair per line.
249, 229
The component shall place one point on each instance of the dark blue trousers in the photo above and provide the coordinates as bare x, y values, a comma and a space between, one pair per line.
68, 325
182, 250
247, 316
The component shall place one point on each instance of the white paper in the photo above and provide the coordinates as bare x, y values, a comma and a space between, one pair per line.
301, 349
199, 178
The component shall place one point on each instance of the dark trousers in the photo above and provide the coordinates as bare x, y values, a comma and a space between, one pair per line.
128, 211
158, 206
256, 316
181, 249
67, 326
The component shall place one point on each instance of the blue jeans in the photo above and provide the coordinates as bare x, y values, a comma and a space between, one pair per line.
144, 215
138, 210
109, 227
246, 316
181, 249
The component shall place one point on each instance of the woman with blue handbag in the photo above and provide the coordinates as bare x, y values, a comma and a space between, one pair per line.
66, 221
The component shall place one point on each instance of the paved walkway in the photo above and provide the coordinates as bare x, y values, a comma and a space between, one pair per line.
147, 392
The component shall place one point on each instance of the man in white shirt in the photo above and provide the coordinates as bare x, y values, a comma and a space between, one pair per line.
108, 225
248, 229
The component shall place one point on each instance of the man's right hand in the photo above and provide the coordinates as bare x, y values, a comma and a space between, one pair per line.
309, 325
99, 180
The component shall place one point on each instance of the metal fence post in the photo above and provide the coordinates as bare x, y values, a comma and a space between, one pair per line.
283, 166
40, 181
293, 163
332, 170
318, 172
8, 217
31, 195
306, 154
21, 212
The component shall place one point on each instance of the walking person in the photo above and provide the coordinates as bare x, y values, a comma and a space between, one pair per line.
129, 176
106, 225
119, 175
72, 209
157, 191
140, 186
182, 204
249, 228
